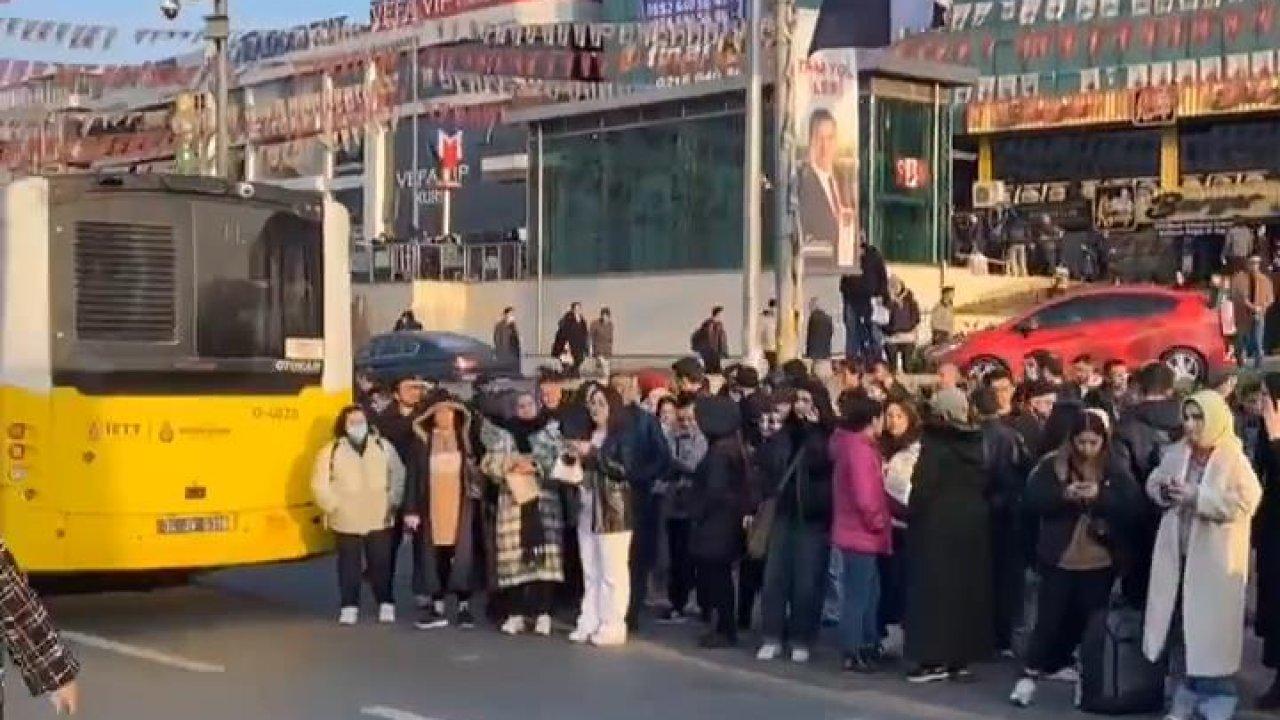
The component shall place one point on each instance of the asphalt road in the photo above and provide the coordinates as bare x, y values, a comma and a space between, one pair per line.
262, 643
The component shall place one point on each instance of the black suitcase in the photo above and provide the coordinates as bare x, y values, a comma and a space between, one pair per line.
1115, 677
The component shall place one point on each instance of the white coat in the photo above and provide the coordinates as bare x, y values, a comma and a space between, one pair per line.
1217, 564
358, 493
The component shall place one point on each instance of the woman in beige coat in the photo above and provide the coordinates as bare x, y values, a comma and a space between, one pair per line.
1200, 568
358, 482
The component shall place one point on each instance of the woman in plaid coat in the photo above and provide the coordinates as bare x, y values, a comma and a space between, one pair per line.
529, 525
45, 663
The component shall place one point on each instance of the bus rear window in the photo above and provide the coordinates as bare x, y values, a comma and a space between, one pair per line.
259, 280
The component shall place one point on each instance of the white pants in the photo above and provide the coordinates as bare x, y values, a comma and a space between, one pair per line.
606, 577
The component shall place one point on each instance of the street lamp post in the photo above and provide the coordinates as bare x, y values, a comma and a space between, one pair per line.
217, 30
751, 180
784, 262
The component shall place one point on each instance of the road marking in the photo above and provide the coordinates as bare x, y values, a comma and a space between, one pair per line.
141, 653
389, 713
869, 699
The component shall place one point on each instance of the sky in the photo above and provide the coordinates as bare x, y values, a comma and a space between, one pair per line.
130, 15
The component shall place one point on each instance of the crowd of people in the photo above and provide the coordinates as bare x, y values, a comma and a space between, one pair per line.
784, 501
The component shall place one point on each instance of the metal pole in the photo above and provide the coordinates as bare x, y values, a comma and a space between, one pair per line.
218, 30
751, 174
541, 206
784, 255
414, 186
935, 146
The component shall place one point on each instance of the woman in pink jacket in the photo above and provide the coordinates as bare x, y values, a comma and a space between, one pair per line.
861, 528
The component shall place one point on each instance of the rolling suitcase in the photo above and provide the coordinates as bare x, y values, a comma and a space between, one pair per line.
1115, 677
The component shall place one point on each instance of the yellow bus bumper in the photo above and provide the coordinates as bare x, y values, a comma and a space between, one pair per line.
62, 542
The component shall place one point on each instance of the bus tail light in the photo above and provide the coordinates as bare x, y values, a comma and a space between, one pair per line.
17, 431
17, 451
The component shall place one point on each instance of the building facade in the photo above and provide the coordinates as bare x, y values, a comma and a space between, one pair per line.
1150, 121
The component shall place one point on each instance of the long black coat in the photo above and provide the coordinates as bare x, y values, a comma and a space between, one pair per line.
1266, 533
949, 592
817, 343
572, 334
718, 499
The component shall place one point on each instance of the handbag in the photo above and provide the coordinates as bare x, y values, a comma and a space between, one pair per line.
762, 525
880, 314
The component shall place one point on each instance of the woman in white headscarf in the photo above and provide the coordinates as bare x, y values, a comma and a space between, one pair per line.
1200, 568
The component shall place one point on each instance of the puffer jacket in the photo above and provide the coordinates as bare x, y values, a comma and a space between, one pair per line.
808, 495
358, 493
862, 520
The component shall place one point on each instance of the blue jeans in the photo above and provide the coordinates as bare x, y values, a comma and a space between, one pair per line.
862, 339
1212, 698
1249, 341
832, 591
859, 616
791, 603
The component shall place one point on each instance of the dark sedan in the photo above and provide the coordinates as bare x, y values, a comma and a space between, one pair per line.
437, 356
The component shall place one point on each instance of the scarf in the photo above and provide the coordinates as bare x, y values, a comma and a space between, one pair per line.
532, 536
1219, 423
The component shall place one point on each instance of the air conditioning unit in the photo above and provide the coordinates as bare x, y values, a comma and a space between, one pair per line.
989, 194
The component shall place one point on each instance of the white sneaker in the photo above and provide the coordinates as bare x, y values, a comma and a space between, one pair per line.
1067, 674
542, 626
514, 625
387, 613
349, 616
1024, 692
580, 636
800, 655
769, 651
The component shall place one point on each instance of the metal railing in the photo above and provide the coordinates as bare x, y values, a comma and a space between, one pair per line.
406, 261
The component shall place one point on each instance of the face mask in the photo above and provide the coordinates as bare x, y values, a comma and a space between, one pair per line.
358, 433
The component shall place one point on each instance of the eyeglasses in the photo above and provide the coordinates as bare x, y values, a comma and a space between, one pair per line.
1193, 416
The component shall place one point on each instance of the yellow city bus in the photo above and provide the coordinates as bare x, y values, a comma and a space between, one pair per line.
173, 351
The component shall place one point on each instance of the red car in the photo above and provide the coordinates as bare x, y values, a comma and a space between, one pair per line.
1136, 324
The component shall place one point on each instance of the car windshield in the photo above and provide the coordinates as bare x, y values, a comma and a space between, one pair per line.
456, 343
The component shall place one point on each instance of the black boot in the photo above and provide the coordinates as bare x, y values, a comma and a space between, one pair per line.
857, 662
1270, 700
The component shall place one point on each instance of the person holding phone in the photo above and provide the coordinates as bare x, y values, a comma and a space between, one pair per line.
1208, 491
590, 459
796, 469
1084, 500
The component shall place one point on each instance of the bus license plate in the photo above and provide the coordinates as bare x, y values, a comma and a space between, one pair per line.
188, 525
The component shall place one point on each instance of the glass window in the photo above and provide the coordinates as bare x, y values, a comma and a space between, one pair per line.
1230, 146
1138, 306
1077, 155
259, 281
660, 197
1071, 312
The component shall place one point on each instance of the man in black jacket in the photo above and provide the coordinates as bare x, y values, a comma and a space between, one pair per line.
506, 338
396, 425
1006, 477
1141, 437
572, 337
817, 340
863, 339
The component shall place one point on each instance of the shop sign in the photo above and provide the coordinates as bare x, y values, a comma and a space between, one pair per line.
1115, 208
910, 173
1155, 106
